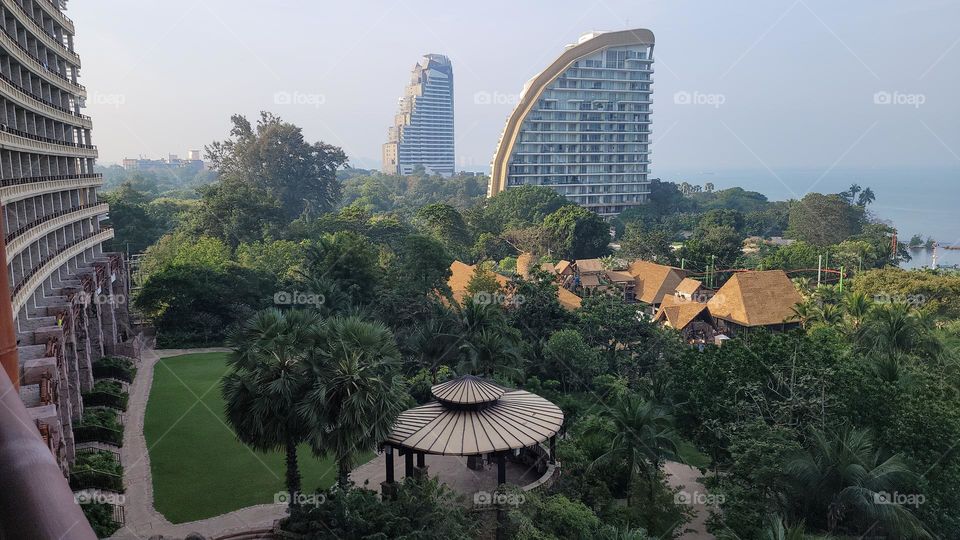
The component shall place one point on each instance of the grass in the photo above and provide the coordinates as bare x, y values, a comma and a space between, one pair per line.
199, 468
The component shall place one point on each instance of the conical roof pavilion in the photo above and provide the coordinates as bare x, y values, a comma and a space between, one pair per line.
471, 416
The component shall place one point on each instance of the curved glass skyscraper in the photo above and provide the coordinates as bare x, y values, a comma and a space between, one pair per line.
582, 126
422, 134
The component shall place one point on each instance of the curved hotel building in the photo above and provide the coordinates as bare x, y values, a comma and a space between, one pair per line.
582, 125
422, 134
67, 295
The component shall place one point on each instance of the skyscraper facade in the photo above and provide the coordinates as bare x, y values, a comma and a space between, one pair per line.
582, 125
67, 304
422, 132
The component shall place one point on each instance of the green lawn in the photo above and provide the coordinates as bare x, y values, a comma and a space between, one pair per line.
199, 467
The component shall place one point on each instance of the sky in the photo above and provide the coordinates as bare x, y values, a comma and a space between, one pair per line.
766, 84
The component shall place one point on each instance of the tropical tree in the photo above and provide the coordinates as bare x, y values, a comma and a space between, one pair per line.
897, 328
266, 382
355, 391
841, 484
803, 312
644, 437
866, 197
857, 307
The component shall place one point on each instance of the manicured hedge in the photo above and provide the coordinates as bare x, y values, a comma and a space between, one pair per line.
107, 393
112, 367
99, 425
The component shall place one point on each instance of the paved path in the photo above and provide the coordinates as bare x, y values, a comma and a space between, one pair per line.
691, 492
142, 520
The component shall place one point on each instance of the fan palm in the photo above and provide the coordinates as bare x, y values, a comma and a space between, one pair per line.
266, 381
840, 483
803, 312
490, 351
356, 391
644, 437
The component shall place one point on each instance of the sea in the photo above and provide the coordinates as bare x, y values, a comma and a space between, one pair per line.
914, 201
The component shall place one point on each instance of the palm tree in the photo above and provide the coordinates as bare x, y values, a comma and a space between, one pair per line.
803, 312
266, 381
898, 329
866, 197
356, 391
644, 437
490, 351
857, 307
839, 484
851, 194
777, 530
804, 285
829, 315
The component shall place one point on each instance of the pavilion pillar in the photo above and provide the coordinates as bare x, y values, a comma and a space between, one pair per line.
408, 464
388, 487
501, 470
420, 472
553, 449
388, 451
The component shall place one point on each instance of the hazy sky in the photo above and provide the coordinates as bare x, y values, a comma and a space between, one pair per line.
771, 83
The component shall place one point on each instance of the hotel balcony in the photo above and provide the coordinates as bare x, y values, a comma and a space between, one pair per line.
20, 141
26, 19
19, 96
31, 62
51, 8
16, 189
32, 281
23, 237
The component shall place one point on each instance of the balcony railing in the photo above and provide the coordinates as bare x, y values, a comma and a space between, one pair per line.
15, 90
39, 30
19, 239
17, 189
25, 288
27, 58
53, 9
21, 141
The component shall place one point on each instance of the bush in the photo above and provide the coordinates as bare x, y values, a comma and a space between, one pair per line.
99, 425
97, 470
100, 516
107, 393
111, 367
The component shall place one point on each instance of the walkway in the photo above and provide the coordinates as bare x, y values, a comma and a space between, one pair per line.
691, 492
142, 520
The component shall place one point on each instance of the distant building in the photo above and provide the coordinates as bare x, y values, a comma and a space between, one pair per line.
582, 125
422, 133
172, 162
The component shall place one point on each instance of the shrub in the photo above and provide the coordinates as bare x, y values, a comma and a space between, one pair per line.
100, 516
99, 425
107, 393
99, 470
112, 367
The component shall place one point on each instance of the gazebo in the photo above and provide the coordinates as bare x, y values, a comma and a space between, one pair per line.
474, 418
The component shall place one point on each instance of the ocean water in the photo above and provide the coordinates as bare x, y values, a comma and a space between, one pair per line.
914, 201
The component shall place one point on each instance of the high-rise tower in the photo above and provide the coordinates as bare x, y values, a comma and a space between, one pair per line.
582, 126
422, 134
